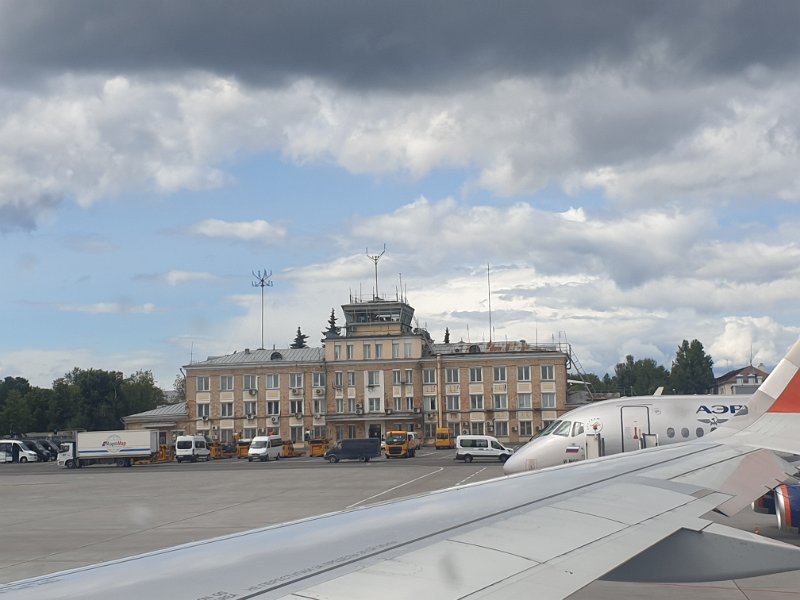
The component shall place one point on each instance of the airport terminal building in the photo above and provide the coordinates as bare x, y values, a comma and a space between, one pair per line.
379, 373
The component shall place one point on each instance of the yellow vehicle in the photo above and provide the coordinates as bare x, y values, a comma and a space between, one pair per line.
400, 444
444, 438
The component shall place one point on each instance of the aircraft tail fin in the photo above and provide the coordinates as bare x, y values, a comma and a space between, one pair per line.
773, 413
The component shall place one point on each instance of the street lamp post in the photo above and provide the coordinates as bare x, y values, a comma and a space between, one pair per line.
262, 281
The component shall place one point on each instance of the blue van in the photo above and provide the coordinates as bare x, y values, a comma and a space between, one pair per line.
361, 449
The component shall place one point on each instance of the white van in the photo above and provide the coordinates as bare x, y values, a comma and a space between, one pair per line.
470, 447
16, 451
265, 447
191, 448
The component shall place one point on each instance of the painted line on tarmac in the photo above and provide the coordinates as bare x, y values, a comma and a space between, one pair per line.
466, 479
391, 489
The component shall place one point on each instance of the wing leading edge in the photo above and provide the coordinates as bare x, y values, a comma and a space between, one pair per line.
554, 531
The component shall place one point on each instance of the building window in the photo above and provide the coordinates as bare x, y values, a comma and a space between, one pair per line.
250, 407
351, 431
499, 374
340, 405
226, 383
397, 403
250, 382
320, 406
501, 428
374, 404
318, 432
273, 381
295, 380
524, 401
349, 351
378, 350
476, 374
476, 401
351, 405
273, 407
248, 433
407, 350
337, 352
451, 375
500, 401
203, 384
525, 429
226, 436
477, 428
351, 378
409, 403
296, 433
548, 400
373, 378
338, 379
395, 350
409, 377
396, 376
367, 351
548, 373
428, 376
452, 402
319, 379
202, 410
296, 407
429, 402
523, 373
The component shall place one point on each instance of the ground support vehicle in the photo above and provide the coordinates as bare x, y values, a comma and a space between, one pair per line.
191, 448
400, 444
471, 447
361, 449
119, 448
444, 439
265, 447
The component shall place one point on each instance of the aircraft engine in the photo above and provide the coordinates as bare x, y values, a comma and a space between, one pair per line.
787, 507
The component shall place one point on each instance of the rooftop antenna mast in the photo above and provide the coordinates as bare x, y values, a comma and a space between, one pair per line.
489, 281
262, 281
375, 259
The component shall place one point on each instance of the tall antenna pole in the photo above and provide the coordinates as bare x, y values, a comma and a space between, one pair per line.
375, 259
489, 281
262, 281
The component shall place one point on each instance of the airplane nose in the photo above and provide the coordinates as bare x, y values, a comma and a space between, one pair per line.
514, 464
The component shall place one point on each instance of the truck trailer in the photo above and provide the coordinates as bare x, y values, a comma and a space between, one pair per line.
119, 448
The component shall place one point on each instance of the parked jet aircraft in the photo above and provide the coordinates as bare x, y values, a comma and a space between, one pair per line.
628, 517
622, 425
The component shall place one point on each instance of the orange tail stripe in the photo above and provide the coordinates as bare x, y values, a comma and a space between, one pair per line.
789, 400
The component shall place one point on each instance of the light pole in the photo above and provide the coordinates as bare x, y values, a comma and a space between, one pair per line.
262, 281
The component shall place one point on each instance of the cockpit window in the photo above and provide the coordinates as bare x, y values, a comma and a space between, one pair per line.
577, 428
563, 428
549, 429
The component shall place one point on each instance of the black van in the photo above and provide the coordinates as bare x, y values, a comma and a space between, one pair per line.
354, 449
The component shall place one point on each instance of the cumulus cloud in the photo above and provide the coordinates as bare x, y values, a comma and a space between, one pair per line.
249, 231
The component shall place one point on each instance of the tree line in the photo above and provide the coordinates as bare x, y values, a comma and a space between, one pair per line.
691, 373
90, 399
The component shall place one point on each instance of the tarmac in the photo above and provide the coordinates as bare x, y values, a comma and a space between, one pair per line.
55, 519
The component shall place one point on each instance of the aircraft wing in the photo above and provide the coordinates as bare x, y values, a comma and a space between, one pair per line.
628, 517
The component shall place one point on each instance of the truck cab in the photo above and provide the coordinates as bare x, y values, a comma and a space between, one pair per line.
400, 444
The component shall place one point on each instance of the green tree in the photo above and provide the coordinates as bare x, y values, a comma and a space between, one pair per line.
639, 377
299, 340
15, 417
9, 384
446, 335
180, 388
692, 369
333, 330
139, 393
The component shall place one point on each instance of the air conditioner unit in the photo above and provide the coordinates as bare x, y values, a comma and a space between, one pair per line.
252, 392
317, 415
205, 417
388, 411
513, 429
358, 406
213, 428
295, 391
298, 415
417, 410
274, 419
359, 411
464, 424
319, 391
251, 416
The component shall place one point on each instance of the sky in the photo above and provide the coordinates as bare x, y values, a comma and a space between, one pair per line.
617, 175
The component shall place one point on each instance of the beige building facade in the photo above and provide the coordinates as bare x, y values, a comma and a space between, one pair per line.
381, 374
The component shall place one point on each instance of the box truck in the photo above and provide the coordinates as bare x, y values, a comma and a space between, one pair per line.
119, 448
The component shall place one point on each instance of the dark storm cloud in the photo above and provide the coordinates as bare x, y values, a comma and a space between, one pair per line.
412, 44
